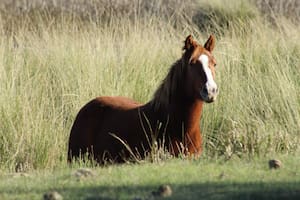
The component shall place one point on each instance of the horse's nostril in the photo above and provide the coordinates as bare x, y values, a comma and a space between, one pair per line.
205, 91
214, 90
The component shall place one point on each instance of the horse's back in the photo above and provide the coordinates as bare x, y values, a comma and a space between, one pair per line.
117, 103
94, 122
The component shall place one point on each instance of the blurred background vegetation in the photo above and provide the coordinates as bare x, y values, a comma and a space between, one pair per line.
203, 13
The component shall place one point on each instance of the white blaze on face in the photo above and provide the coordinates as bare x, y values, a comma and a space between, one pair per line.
210, 84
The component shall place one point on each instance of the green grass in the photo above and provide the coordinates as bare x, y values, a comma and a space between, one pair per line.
51, 65
189, 179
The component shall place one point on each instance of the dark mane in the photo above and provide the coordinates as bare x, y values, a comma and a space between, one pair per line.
170, 86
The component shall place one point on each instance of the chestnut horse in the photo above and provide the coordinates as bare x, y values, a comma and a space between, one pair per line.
116, 128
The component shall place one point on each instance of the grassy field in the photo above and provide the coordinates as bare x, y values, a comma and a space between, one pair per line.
56, 57
51, 65
188, 179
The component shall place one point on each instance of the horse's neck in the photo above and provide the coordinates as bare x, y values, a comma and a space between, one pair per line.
177, 117
193, 115
190, 114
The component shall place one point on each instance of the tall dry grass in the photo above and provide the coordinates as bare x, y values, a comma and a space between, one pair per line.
51, 63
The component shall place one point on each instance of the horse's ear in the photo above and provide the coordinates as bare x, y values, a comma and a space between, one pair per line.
189, 43
210, 43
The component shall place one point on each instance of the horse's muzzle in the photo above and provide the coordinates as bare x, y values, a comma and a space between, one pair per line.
209, 94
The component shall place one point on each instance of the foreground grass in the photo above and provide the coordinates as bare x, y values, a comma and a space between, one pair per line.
189, 179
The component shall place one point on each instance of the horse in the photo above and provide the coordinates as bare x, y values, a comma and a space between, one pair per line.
116, 128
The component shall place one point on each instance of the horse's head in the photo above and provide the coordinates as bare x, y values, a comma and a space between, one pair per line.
200, 69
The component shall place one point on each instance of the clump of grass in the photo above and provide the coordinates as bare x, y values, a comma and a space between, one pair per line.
213, 16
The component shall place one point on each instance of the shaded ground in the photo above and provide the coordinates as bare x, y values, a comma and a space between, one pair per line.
210, 190
192, 191
239, 179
